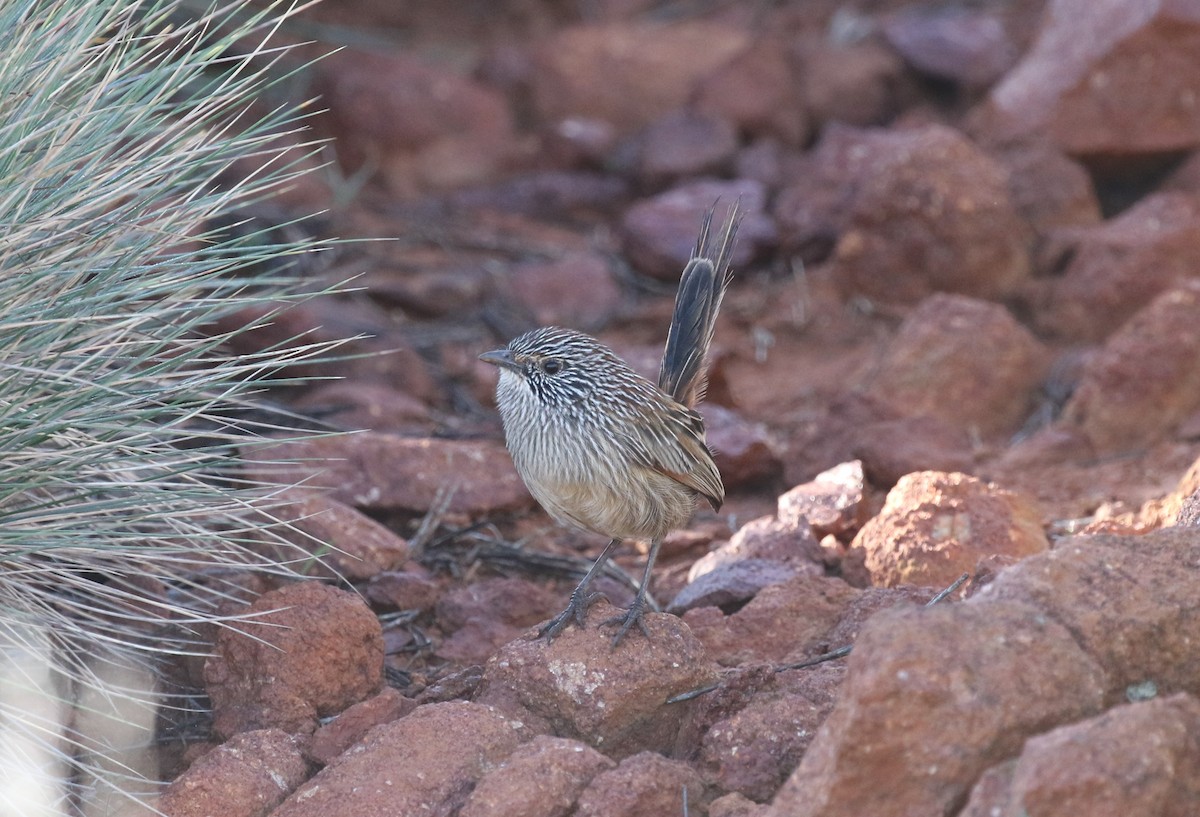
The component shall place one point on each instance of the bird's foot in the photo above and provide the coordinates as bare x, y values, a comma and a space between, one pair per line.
576, 611
631, 617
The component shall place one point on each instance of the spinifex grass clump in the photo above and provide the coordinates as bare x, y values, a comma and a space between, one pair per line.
122, 509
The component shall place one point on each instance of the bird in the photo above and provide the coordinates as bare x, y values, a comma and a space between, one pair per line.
604, 449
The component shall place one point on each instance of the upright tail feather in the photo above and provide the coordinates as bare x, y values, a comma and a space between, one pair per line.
684, 370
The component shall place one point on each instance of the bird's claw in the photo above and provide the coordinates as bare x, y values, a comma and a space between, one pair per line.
577, 610
632, 616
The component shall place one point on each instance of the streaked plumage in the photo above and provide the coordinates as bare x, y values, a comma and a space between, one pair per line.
601, 447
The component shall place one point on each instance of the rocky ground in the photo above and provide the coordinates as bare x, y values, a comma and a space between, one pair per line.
963, 337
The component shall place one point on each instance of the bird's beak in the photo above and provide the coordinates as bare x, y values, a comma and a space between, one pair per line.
502, 358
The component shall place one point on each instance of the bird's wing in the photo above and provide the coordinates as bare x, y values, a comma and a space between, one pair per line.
673, 445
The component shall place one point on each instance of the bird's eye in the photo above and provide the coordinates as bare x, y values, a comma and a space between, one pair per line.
552, 365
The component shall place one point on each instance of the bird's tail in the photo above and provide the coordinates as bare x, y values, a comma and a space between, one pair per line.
684, 370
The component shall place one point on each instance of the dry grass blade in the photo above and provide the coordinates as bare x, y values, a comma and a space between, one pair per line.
123, 516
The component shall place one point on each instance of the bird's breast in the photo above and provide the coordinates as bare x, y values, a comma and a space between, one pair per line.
580, 470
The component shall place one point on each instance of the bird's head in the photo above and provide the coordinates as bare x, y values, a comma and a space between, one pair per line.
558, 367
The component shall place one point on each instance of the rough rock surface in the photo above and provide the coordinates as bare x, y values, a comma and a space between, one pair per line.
426, 127
324, 649
1118, 267
541, 778
896, 742
963, 361
780, 624
580, 687
1130, 602
426, 762
936, 526
361, 547
247, 776
646, 783
1107, 77
384, 471
906, 214
660, 231
626, 75
1141, 758
831, 502
1143, 382
335, 737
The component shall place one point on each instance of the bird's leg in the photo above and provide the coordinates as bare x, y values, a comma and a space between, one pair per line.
634, 614
581, 599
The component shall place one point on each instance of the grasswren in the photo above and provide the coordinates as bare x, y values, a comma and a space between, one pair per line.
606, 450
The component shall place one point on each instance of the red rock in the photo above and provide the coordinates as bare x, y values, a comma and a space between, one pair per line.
813, 209
423, 126
906, 213
644, 784
934, 214
820, 684
1131, 602
867, 604
1049, 189
247, 776
757, 91
583, 688
966, 46
1059, 466
889, 449
541, 778
735, 805
357, 405
660, 232
736, 688
857, 426
628, 75
936, 526
485, 614
897, 742
767, 161
403, 590
831, 502
730, 584
426, 286
683, 144
790, 542
779, 625
1142, 758
383, 471
855, 84
754, 750
745, 451
360, 547
425, 763
299, 653
348, 728
962, 361
1118, 267
549, 194
363, 336
1106, 77
577, 290
1144, 381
